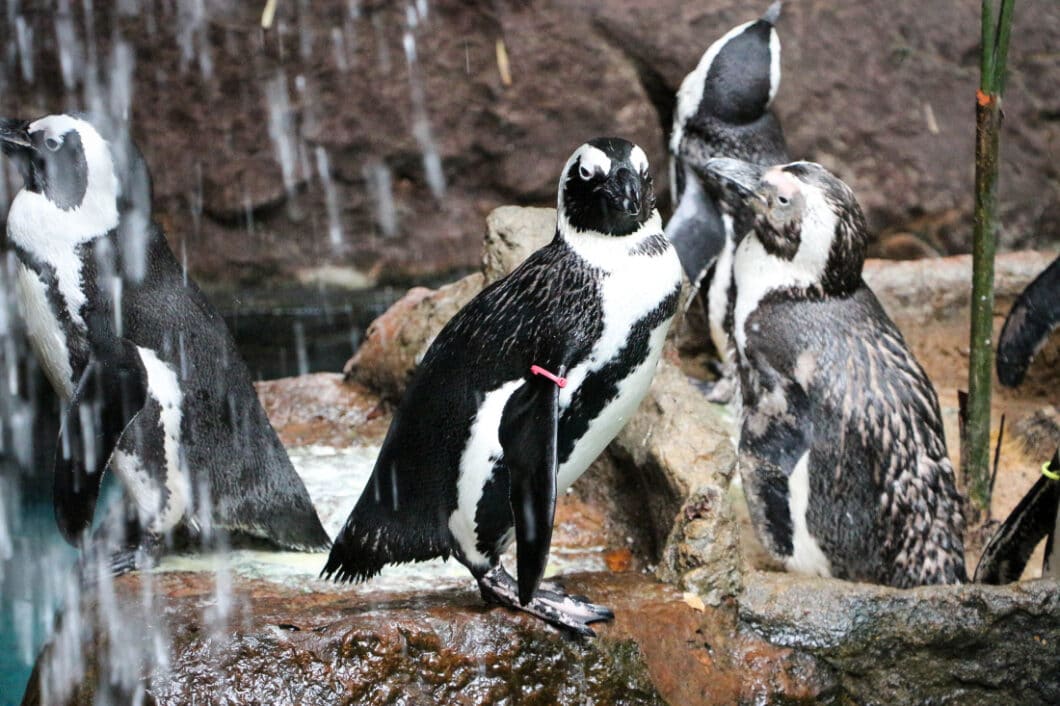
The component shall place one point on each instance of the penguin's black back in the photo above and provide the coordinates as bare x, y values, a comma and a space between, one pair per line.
545, 312
231, 450
884, 505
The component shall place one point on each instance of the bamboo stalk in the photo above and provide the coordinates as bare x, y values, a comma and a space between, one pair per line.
993, 59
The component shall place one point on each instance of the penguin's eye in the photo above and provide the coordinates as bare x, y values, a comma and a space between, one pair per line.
53, 143
584, 172
783, 200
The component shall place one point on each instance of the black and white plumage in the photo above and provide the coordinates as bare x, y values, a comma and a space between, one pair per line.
479, 446
841, 447
149, 375
723, 110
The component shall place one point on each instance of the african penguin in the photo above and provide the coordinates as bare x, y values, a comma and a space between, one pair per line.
1034, 316
149, 375
841, 448
723, 110
522, 390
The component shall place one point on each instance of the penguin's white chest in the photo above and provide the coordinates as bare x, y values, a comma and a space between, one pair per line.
46, 335
629, 294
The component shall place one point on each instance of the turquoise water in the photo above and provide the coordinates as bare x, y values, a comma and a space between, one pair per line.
28, 581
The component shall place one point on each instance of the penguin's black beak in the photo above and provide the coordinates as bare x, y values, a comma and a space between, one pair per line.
626, 193
14, 137
735, 181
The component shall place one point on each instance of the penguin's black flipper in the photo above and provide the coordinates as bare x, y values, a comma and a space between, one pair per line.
695, 228
1006, 555
1033, 317
112, 390
527, 434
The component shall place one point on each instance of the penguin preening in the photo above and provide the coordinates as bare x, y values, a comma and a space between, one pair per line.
841, 447
522, 390
1034, 316
723, 110
148, 374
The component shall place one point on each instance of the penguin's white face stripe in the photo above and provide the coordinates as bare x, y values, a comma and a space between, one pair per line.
588, 157
691, 91
774, 65
806, 557
638, 159
52, 234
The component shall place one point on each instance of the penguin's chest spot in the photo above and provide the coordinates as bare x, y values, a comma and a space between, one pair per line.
46, 334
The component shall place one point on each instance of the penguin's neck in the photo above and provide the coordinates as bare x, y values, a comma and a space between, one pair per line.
757, 273
611, 253
55, 237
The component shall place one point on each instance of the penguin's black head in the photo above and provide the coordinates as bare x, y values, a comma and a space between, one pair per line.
50, 155
799, 213
606, 188
737, 77
66, 160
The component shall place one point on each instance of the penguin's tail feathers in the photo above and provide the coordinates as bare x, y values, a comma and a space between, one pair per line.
363, 548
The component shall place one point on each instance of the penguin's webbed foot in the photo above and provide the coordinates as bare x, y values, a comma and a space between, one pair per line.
720, 391
550, 603
115, 560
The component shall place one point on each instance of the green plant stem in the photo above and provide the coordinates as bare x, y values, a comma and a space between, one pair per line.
976, 455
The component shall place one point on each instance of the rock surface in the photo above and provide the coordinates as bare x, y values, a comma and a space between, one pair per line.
337, 645
238, 124
968, 644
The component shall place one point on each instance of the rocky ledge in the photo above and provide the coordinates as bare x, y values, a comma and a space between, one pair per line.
654, 530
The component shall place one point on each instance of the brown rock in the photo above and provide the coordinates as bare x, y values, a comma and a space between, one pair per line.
322, 409
395, 342
346, 645
883, 92
512, 234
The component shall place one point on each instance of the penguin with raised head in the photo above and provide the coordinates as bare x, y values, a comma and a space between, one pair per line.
522, 390
149, 375
723, 110
841, 447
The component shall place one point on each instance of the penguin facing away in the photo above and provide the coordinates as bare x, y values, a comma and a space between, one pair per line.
723, 110
148, 374
522, 390
841, 446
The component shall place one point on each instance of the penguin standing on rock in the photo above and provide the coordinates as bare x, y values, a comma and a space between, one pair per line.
841, 447
723, 110
149, 375
522, 390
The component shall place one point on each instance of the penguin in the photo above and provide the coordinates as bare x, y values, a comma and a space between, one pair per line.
1034, 518
723, 110
841, 448
521, 391
149, 376
1034, 316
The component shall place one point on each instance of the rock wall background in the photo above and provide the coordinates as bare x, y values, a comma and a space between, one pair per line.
880, 91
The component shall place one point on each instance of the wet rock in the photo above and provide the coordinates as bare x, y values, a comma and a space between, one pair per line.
888, 108
323, 409
395, 342
347, 645
951, 644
